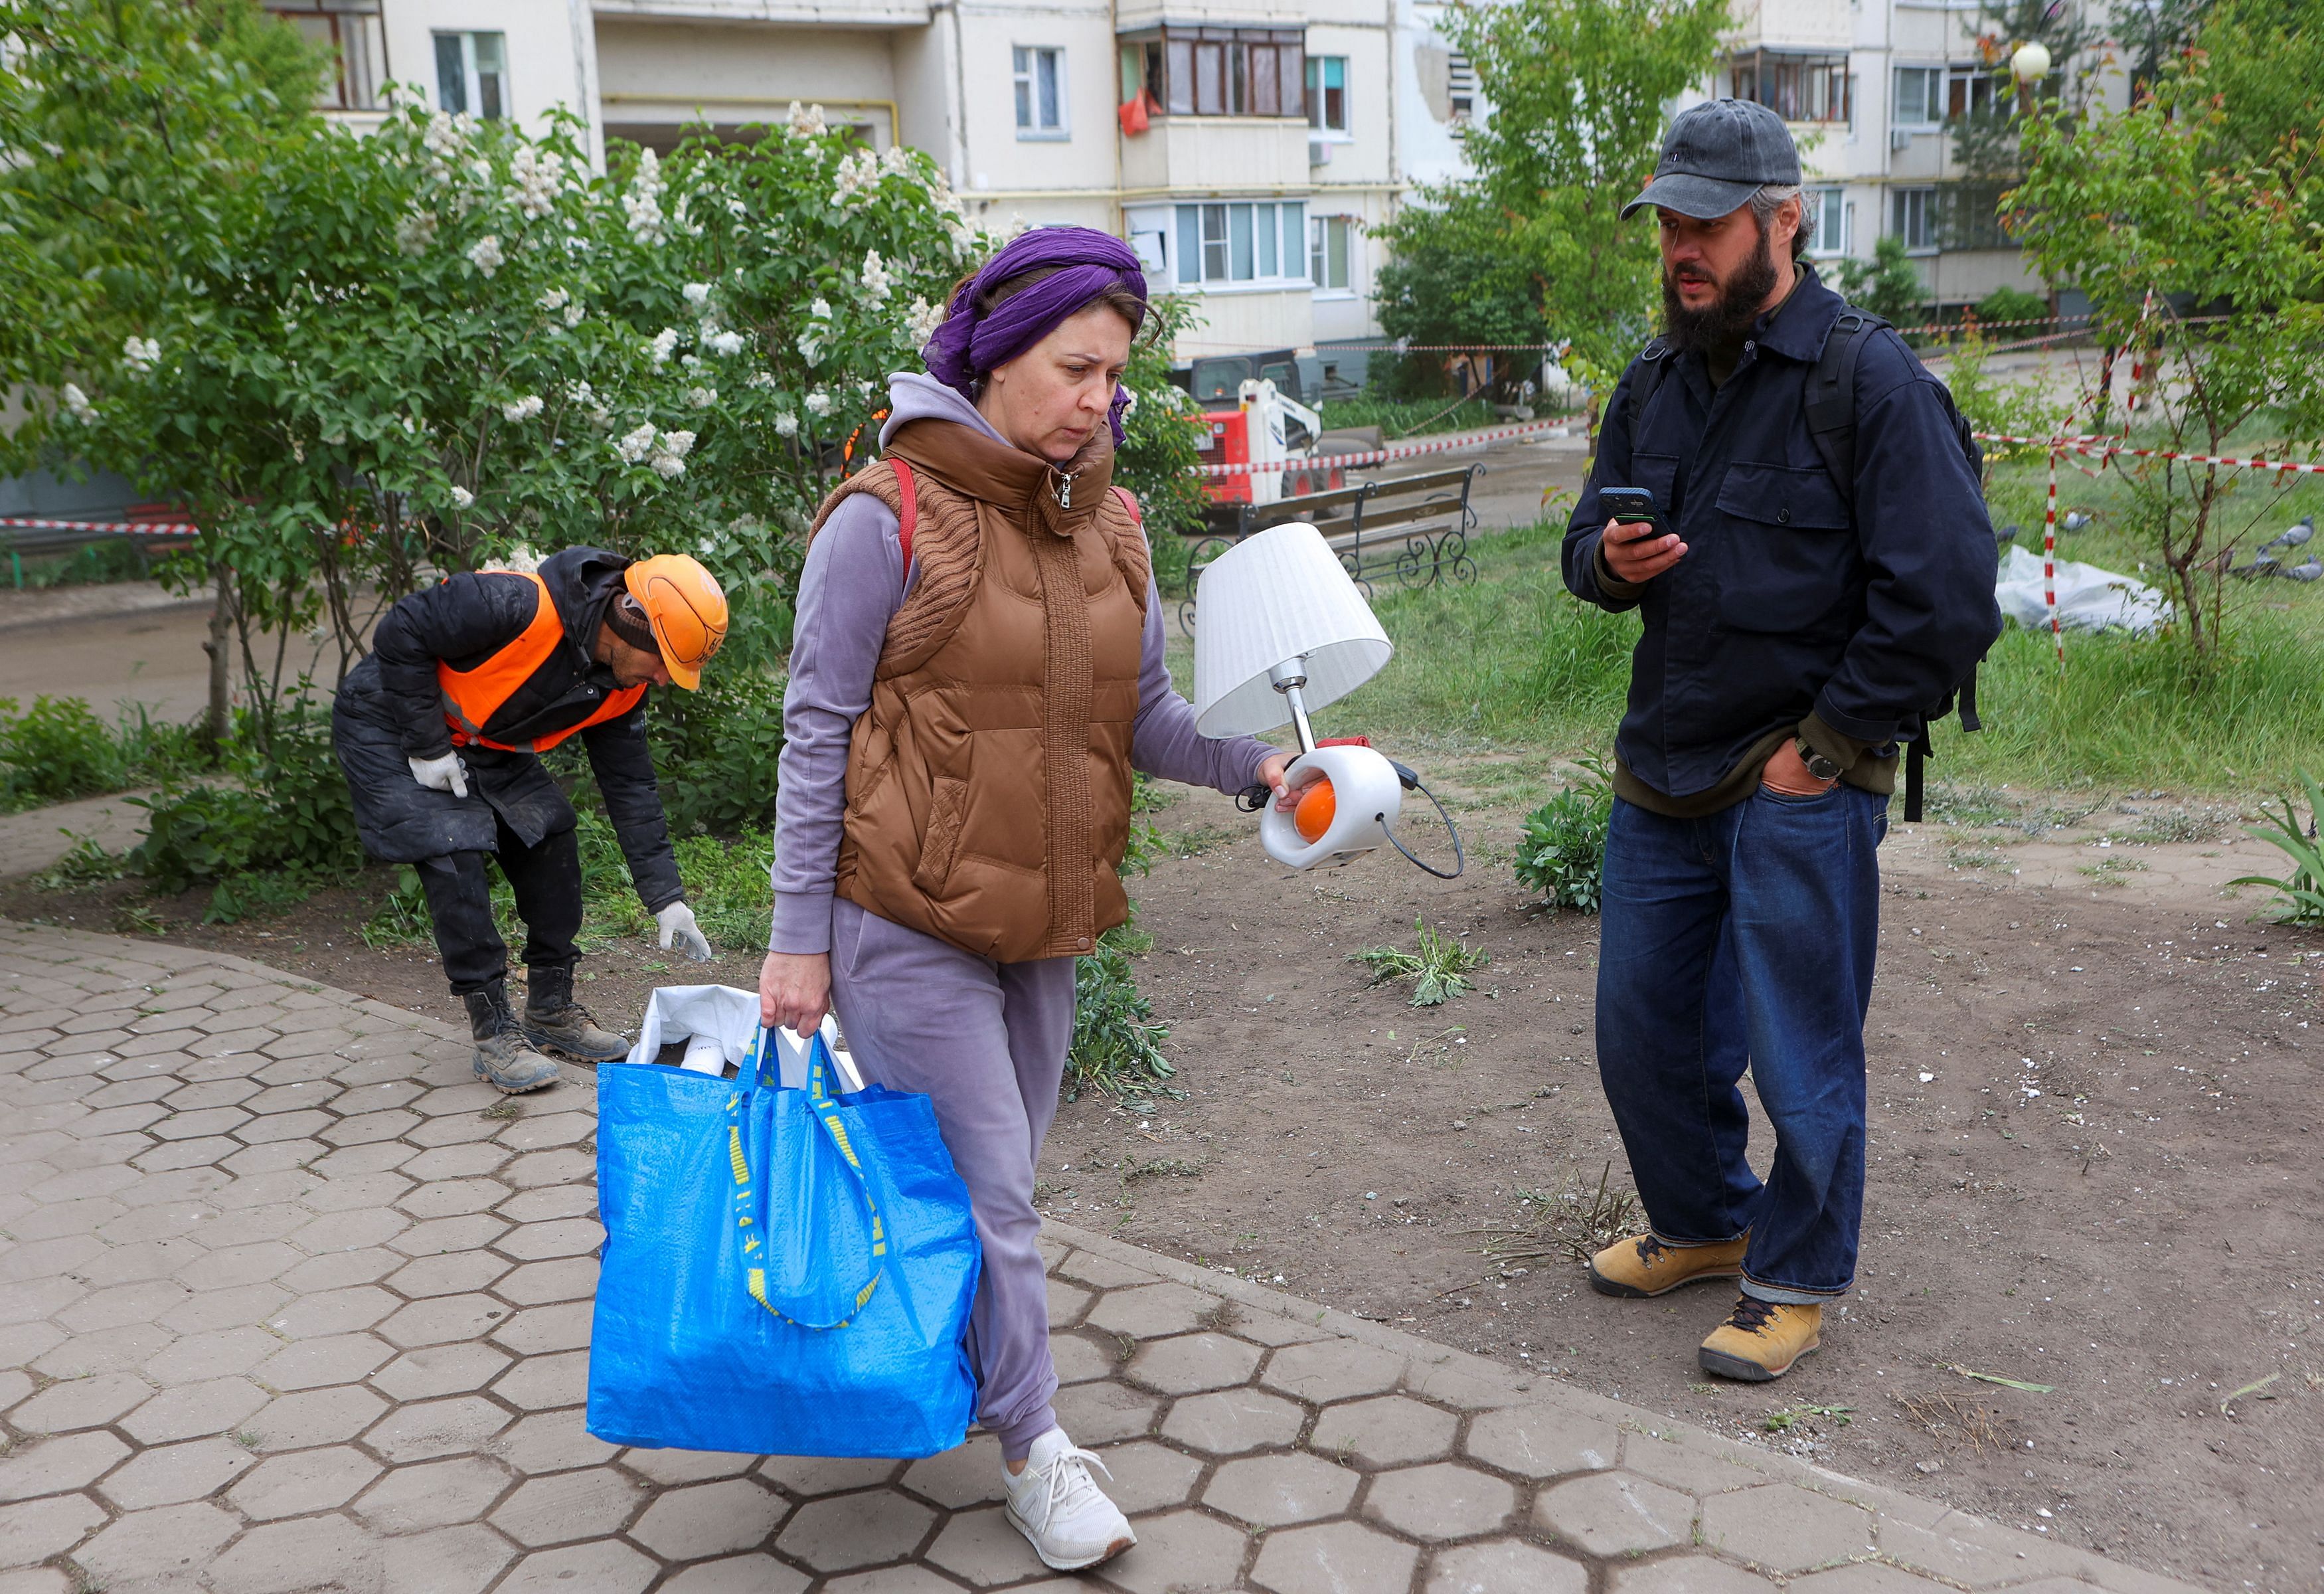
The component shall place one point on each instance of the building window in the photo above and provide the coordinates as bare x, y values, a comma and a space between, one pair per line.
1460, 80
1829, 207
1796, 87
1970, 91
1912, 217
471, 75
352, 40
1919, 96
1327, 93
1330, 244
1040, 91
1221, 244
1194, 72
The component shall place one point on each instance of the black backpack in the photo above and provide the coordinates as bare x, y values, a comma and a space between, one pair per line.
1831, 406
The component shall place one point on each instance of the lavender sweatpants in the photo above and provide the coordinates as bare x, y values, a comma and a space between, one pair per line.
986, 1043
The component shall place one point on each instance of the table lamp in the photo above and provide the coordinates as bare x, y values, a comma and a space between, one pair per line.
1281, 631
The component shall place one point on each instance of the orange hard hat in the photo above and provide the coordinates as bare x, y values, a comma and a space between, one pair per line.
685, 606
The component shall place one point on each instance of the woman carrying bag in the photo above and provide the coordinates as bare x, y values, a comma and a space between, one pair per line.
976, 669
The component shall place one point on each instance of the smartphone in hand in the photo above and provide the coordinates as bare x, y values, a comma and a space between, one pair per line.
1631, 506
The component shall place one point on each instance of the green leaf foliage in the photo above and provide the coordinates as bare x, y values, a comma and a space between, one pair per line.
1562, 853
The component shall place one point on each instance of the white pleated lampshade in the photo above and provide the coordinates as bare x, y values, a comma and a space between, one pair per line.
1269, 599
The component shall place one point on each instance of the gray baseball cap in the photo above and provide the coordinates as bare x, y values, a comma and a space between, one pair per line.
1716, 155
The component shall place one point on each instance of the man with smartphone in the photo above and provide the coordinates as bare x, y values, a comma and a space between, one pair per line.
1788, 499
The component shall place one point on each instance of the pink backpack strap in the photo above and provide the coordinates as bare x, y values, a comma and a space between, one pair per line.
909, 513
1129, 502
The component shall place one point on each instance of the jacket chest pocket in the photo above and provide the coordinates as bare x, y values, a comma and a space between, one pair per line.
1787, 555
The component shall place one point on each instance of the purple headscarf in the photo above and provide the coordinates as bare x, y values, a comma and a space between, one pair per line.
967, 345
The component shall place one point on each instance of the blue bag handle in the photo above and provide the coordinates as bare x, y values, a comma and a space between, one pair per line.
822, 1104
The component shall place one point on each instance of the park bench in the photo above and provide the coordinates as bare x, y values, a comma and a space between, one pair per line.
1415, 526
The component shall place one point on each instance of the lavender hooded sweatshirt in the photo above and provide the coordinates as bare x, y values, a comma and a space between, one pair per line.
854, 582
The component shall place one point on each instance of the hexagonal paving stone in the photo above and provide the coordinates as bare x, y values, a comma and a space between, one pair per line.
1233, 1421
1504, 1566
151, 1545
82, 1403
440, 1369
551, 1442
566, 1236
313, 1364
1332, 1369
1872, 1578
454, 1273
1147, 1476
1097, 1413
192, 1411
1785, 1528
58, 1466
357, 1190
462, 1560
539, 1330
604, 1567
470, 1231
710, 1519
1067, 1304
1192, 1363
1337, 1558
433, 1494
1270, 1491
333, 1312
173, 1474
842, 1532
1182, 1553
337, 1270
315, 1416
449, 1198
811, 1476
219, 1354
1542, 1441
1687, 1574
1443, 1501
1615, 1513
1077, 1360
310, 1480
568, 1506
1390, 1431
544, 1383
738, 1574
34, 1530
1150, 1311
981, 1548
538, 1283
444, 1320
436, 1428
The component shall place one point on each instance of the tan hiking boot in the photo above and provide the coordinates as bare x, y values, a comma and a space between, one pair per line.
1761, 1339
555, 1023
1642, 1265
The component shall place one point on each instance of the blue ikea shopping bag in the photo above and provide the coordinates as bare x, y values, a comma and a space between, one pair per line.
786, 1272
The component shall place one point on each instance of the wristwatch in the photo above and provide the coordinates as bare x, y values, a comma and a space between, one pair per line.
1820, 766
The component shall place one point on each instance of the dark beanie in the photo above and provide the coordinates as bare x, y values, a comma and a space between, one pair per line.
629, 623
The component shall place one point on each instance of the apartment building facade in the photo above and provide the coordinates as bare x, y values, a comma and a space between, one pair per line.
1875, 94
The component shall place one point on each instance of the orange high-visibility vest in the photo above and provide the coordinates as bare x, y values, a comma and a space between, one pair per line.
471, 696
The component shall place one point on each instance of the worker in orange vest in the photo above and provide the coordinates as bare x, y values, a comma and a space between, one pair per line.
439, 731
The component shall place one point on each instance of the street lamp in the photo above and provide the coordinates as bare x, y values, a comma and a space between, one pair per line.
2029, 64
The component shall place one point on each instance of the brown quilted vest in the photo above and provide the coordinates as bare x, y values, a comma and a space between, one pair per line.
988, 784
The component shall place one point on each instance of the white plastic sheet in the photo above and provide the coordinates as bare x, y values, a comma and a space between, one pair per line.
719, 1025
2089, 599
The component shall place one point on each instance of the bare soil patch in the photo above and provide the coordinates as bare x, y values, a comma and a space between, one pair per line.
2141, 1235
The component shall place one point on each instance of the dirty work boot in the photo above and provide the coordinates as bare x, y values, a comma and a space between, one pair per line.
555, 1022
1642, 1265
503, 1059
1761, 1339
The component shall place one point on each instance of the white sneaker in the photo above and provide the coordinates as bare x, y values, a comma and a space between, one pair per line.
1059, 1507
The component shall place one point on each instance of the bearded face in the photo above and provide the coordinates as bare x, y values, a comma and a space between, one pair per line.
1723, 321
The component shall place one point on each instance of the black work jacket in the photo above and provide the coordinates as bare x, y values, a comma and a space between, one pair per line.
393, 696
1791, 600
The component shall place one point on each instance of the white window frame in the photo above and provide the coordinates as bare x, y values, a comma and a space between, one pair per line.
1319, 255
1934, 75
1223, 231
1025, 62
472, 79
1318, 125
1899, 200
1831, 201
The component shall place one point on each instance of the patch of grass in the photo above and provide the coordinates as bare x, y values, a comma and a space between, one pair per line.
1405, 417
1439, 968
2112, 871
58, 749
1572, 1226
1790, 1417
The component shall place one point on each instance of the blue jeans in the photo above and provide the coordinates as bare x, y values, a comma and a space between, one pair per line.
1745, 937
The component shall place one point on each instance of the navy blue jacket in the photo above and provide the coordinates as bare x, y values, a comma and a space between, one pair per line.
1790, 602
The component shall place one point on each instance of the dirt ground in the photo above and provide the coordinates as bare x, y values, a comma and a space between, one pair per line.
2094, 1160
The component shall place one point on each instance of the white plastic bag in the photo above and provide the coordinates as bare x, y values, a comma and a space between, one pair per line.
719, 1025
2089, 599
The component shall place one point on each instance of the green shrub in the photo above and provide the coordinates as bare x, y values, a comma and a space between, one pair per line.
1562, 852
2010, 305
1117, 1045
285, 811
56, 750
716, 751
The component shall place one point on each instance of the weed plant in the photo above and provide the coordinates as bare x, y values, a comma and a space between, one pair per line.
2300, 896
1563, 852
1439, 968
60, 749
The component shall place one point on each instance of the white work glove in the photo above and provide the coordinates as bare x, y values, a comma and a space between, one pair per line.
677, 921
444, 773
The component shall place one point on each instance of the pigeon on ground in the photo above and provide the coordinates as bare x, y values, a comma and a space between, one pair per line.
2299, 534
2074, 520
2305, 572
2007, 533
2261, 564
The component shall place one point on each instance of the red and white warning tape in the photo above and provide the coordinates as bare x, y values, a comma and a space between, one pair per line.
1440, 445
102, 528
2100, 447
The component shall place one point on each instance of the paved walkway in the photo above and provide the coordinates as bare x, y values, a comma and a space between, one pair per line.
292, 1305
